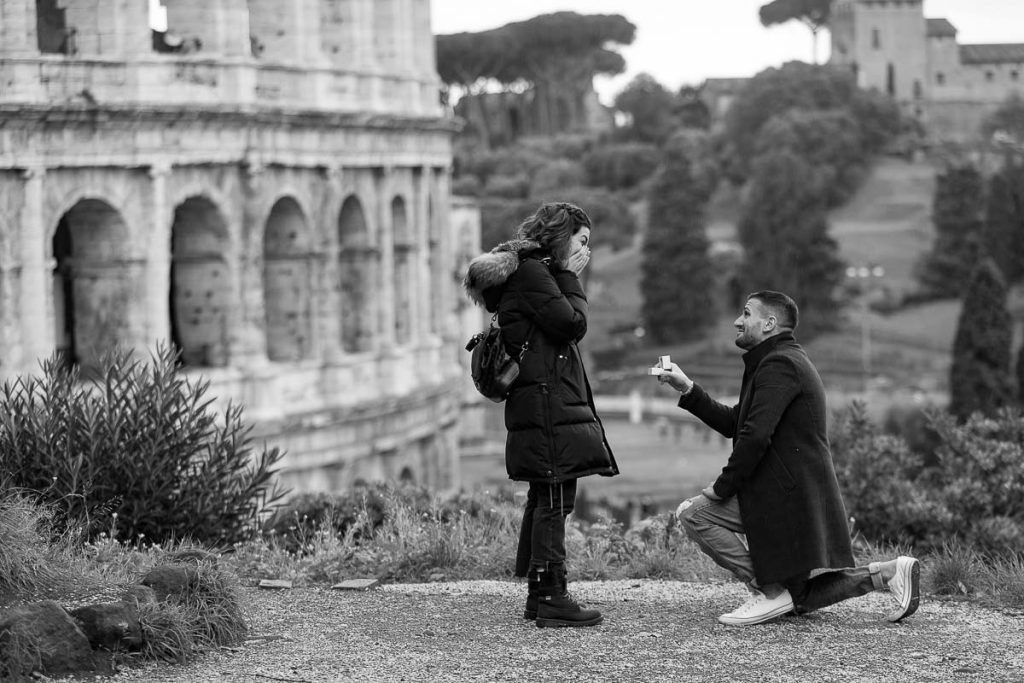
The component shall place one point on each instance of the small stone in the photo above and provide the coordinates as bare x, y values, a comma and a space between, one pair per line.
111, 626
276, 584
356, 585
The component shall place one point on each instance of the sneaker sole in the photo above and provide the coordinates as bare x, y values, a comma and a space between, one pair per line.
562, 623
914, 584
768, 616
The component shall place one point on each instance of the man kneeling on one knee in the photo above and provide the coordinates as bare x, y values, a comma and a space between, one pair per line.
775, 516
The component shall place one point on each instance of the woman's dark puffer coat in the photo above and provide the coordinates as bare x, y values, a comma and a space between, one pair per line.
554, 433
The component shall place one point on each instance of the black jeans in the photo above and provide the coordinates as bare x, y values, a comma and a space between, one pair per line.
542, 534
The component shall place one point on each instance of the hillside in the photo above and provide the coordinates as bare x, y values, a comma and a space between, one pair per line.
887, 223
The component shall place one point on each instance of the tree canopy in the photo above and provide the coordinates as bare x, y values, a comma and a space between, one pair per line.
556, 54
813, 13
537, 49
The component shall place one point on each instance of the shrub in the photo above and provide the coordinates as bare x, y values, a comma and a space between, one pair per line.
466, 186
621, 166
136, 450
508, 186
297, 522
981, 475
208, 615
879, 475
556, 173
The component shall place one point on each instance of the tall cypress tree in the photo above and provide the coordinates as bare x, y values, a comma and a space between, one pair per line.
1020, 375
676, 273
784, 232
1004, 221
958, 207
979, 379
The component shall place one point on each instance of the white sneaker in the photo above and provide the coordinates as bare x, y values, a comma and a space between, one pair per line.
758, 609
905, 587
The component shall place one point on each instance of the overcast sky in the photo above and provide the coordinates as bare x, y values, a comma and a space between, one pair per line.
686, 41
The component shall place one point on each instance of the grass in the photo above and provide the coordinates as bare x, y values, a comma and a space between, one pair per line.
420, 538
36, 564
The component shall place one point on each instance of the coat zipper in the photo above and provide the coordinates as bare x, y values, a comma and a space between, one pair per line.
545, 390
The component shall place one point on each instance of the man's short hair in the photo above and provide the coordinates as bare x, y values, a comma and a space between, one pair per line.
781, 306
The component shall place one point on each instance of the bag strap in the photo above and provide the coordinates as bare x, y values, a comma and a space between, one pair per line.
526, 342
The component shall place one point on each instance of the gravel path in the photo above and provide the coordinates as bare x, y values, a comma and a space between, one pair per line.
653, 631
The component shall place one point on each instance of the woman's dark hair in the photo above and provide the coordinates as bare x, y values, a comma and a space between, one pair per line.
553, 225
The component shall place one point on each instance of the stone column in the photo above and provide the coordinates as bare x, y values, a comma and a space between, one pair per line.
450, 328
386, 242
251, 317
36, 275
424, 55
423, 304
327, 307
158, 260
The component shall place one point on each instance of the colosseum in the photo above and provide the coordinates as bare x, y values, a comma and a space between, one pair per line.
262, 184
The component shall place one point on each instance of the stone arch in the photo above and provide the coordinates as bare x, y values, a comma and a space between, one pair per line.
93, 282
357, 270
52, 32
287, 291
201, 292
405, 260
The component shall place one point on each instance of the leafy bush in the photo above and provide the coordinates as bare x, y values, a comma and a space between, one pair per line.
135, 450
972, 495
508, 186
466, 186
981, 474
297, 522
621, 166
878, 474
556, 173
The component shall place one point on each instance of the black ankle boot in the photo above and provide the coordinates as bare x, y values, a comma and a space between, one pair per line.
555, 607
532, 589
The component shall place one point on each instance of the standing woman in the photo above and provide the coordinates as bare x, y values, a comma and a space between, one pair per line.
554, 434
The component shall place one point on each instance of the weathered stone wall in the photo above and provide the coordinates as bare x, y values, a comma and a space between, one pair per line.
281, 217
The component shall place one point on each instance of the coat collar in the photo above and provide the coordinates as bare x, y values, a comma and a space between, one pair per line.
755, 355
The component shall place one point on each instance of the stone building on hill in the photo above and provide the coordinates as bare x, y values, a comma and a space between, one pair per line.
266, 186
893, 47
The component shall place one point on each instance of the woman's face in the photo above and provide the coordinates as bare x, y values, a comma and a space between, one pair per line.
580, 240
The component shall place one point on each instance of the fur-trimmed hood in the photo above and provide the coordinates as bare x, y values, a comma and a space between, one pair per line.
491, 270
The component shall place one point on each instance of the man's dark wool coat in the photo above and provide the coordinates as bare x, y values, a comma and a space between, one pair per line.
554, 433
781, 468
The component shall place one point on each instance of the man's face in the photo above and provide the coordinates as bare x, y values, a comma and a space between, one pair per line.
752, 325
